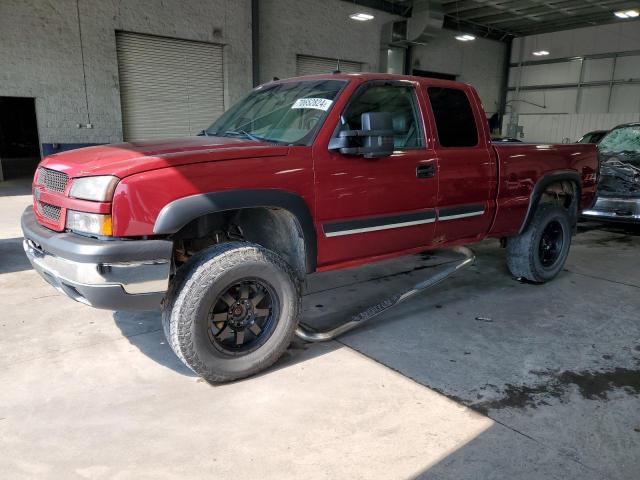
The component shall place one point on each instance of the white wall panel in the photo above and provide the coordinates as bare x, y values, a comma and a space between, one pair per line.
569, 127
625, 98
616, 37
548, 74
597, 69
593, 99
617, 43
561, 100
628, 68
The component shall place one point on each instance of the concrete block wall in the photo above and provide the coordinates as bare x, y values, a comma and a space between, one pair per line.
480, 63
317, 28
40, 55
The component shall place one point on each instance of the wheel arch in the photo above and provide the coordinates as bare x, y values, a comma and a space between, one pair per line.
285, 208
542, 186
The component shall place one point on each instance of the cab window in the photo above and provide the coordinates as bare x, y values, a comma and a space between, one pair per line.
454, 118
398, 100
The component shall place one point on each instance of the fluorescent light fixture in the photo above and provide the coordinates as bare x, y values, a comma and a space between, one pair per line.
465, 37
361, 17
627, 14
541, 53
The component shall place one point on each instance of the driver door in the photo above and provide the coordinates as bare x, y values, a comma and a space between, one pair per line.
368, 207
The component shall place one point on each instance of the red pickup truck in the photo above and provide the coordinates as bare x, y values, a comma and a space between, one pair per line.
303, 175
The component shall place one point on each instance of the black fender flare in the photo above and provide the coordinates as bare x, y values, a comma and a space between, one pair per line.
543, 183
179, 213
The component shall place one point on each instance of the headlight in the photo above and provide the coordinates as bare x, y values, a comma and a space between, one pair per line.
93, 223
99, 189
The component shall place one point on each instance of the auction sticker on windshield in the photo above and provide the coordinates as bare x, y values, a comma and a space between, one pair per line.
314, 103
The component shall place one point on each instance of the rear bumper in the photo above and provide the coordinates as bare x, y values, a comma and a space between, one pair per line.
109, 274
615, 209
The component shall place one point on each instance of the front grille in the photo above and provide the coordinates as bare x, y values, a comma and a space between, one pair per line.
52, 179
49, 211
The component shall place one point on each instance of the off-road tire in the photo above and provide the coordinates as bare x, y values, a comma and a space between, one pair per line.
524, 258
196, 285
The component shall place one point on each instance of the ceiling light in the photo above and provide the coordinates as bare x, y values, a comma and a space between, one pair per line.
541, 53
465, 38
627, 14
361, 17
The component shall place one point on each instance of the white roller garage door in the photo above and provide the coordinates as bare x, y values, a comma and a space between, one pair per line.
306, 65
168, 87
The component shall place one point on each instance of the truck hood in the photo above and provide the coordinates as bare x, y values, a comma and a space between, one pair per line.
124, 159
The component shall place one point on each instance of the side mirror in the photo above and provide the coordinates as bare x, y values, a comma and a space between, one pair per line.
374, 140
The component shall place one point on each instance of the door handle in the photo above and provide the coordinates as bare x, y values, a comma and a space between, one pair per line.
425, 171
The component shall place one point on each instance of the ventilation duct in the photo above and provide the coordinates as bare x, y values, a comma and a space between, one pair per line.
424, 24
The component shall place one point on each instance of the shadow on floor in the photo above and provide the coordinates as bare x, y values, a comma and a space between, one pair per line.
12, 256
557, 365
136, 327
610, 227
11, 188
505, 454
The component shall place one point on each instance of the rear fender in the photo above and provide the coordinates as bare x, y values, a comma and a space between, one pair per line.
543, 184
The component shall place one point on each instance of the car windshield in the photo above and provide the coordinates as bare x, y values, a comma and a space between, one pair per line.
289, 113
623, 139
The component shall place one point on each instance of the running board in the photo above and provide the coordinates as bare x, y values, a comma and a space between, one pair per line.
309, 335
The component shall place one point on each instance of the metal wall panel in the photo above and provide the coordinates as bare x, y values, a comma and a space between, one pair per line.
553, 73
594, 99
560, 100
625, 98
307, 65
597, 69
558, 128
628, 68
168, 87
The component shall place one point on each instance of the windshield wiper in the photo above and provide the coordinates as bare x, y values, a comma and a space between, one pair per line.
244, 133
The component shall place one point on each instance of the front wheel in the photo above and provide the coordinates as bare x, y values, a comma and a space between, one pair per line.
539, 253
231, 311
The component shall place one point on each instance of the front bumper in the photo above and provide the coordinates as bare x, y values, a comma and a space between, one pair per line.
615, 209
110, 274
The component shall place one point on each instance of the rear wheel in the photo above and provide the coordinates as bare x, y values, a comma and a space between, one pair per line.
539, 253
231, 311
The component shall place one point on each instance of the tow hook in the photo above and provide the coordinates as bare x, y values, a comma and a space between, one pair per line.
305, 333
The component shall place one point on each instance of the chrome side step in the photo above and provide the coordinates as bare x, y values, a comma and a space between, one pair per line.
312, 336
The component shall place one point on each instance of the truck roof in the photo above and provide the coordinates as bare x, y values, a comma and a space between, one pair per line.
366, 76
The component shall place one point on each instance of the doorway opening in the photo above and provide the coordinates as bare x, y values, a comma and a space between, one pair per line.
19, 143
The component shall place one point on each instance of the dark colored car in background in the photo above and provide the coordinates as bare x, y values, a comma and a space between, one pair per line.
593, 137
619, 184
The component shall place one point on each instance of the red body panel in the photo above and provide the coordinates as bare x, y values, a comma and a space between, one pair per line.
522, 165
336, 188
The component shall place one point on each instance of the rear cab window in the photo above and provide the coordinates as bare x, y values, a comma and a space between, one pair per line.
453, 114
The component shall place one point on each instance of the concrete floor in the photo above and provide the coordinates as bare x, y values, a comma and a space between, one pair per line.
483, 377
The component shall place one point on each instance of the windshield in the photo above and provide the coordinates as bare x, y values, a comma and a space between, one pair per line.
623, 139
289, 113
